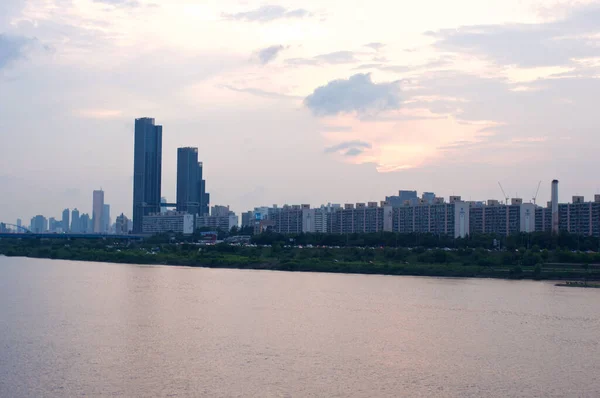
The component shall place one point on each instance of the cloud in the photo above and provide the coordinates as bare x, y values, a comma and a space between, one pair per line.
333, 58
356, 94
117, 3
375, 46
268, 54
338, 57
528, 45
267, 13
260, 93
349, 148
12, 48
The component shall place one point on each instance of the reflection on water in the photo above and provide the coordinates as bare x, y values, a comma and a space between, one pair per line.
73, 328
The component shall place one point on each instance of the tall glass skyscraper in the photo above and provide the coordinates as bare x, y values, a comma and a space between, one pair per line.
191, 195
97, 211
147, 167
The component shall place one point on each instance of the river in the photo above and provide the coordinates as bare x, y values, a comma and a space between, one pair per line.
94, 329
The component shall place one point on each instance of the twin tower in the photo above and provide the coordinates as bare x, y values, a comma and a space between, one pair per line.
147, 174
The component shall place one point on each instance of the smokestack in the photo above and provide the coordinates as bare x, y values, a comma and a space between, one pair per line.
554, 206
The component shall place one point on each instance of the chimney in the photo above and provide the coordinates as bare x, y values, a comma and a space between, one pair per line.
554, 206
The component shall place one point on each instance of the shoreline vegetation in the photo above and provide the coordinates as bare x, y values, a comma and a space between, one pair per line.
269, 251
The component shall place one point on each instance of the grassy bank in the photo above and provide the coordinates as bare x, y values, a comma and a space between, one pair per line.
388, 261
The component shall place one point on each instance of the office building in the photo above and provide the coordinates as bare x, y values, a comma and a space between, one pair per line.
65, 220
163, 207
19, 222
97, 211
147, 169
171, 221
191, 187
122, 225
39, 224
106, 219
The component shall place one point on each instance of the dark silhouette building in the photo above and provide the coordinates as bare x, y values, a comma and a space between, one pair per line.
191, 188
147, 166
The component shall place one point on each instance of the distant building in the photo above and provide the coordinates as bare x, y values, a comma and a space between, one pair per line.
53, 225
147, 166
220, 211
438, 218
171, 221
221, 218
75, 222
191, 188
106, 219
163, 208
39, 224
402, 198
122, 225
502, 219
579, 217
98, 211
19, 222
85, 224
247, 219
66, 226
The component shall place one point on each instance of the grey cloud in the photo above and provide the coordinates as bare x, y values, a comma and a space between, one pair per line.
124, 3
338, 57
349, 148
334, 58
260, 93
356, 94
267, 13
12, 48
528, 45
375, 46
268, 54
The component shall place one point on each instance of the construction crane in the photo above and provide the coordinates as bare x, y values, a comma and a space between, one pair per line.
503, 193
536, 192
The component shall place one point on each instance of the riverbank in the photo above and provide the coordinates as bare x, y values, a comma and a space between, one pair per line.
417, 262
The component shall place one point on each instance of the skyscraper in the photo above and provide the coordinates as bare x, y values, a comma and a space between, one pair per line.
106, 219
97, 211
147, 166
65, 220
191, 188
188, 180
75, 223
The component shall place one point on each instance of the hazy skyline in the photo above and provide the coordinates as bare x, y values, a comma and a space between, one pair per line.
289, 102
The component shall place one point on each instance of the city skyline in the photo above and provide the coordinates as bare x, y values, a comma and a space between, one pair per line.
305, 108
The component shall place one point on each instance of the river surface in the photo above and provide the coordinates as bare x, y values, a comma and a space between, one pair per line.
94, 329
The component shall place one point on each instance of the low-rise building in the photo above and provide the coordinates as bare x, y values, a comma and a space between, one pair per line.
171, 221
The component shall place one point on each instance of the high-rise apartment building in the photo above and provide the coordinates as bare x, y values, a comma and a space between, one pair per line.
75, 222
147, 169
106, 219
39, 224
191, 188
85, 224
65, 220
98, 211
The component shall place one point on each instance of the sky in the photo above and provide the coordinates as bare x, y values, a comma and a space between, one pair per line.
290, 102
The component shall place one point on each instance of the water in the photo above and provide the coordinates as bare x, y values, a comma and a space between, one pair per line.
90, 329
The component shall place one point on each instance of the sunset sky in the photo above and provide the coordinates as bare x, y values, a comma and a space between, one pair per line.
299, 102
